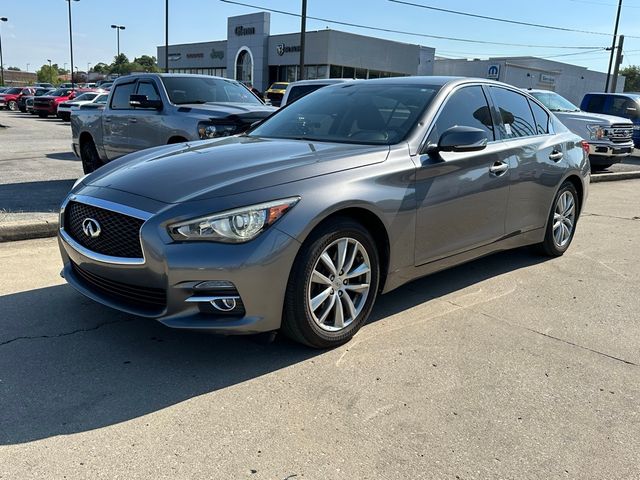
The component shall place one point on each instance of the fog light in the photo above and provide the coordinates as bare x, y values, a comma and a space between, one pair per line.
224, 304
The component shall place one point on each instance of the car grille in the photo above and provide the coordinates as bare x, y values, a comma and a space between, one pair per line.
150, 300
119, 233
41, 102
275, 98
620, 133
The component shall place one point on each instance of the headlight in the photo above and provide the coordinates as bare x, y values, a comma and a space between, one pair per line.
213, 130
233, 226
597, 132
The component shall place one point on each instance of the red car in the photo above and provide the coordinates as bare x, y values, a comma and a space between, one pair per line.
9, 99
48, 104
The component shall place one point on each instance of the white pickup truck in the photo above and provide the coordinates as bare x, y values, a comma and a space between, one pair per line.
147, 110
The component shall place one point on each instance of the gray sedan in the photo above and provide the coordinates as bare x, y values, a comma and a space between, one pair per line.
352, 191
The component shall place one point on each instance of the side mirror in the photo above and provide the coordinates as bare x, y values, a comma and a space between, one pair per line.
141, 101
462, 139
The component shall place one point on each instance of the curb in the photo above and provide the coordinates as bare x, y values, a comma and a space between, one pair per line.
612, 177
27, 230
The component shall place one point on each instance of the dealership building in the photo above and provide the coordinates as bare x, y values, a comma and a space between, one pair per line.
570, 81
252, 55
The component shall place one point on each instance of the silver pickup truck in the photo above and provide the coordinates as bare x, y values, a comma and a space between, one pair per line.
147, 110
610, 138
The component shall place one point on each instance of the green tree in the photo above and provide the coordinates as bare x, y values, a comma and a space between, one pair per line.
100, 67
632, 78
148, 63
48, 73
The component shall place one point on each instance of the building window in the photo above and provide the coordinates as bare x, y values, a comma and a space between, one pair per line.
244, 67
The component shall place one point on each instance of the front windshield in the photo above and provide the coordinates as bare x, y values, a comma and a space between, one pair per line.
61, 92
374, 114
13, 90
279, 86
555, 102
101, 98
185, 90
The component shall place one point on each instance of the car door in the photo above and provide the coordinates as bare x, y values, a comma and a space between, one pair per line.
145, 124
461, 197
534, 155
115, 121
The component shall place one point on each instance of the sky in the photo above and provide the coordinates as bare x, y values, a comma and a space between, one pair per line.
38, 30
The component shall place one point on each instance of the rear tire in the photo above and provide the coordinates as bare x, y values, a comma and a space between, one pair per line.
90, 159
332, 286
561, 224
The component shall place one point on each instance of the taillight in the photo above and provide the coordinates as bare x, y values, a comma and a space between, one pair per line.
585, 147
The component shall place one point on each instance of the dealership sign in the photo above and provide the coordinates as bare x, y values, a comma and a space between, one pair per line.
216, 54
281, 48
195, 55
241, 31
493, 72
548, 79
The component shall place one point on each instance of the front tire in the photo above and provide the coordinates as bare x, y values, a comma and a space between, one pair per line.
12, 105
90, 159
561, 224
333, 285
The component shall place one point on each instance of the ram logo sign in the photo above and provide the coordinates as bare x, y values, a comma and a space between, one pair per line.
493, 72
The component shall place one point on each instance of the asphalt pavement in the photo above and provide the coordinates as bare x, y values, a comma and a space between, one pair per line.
510, 367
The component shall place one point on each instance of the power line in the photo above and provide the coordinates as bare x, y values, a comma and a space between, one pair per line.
603, 4
503, 20
424, 35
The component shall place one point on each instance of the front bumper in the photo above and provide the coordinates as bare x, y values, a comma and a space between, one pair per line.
258, 269
607, 150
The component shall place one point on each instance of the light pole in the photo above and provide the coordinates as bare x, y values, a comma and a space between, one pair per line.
166, 36
118, 28
50, 73
71, 39
2, 19
28, 67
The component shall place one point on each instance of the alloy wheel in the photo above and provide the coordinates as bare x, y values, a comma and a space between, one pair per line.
339, 284
564, 219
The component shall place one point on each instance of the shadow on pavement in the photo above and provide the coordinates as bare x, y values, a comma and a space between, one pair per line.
62, 156
69, 365
44, 196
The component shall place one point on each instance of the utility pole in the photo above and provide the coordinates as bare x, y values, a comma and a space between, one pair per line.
613, 46
166, 36
303, 33
71, 41
616, 68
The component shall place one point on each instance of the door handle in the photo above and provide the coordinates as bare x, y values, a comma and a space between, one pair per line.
499, 168
133, 120
555, 155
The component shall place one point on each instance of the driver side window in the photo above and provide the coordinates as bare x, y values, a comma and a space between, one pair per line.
466, 107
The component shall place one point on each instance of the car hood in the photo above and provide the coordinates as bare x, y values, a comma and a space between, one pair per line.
591, 118
242, 111
232, 165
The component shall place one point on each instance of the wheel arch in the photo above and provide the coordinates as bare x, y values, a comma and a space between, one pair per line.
176, 139
373, 224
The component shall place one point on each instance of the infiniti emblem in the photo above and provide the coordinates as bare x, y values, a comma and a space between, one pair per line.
91, 228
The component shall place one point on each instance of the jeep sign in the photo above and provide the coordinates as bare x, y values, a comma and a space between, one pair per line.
493, 72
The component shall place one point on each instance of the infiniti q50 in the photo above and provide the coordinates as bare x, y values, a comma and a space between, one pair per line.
300, 223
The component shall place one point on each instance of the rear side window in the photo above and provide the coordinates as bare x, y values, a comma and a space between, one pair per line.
466, 107
541, 117
300, 91
121, 94
594, 103
513, 108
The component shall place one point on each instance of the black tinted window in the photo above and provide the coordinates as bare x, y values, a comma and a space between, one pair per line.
300, 91
466, 107
594, 103
148, 89
541, 117
121, 94
517, 119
